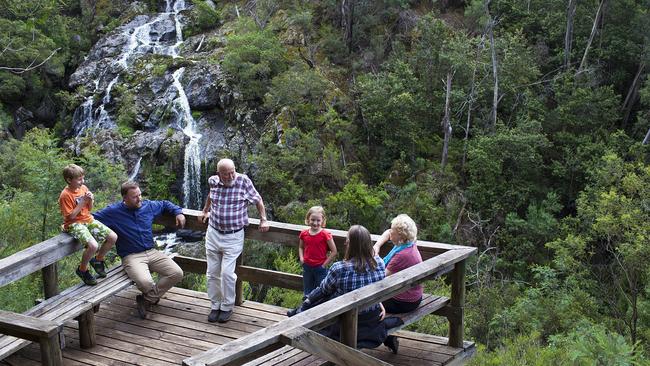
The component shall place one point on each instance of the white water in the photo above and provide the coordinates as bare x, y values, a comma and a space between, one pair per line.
136, 169
142, 40
192, 160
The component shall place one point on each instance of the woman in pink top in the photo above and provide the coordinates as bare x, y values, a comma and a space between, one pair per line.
403, 234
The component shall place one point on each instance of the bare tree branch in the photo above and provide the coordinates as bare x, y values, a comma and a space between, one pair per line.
31, 66
591, 36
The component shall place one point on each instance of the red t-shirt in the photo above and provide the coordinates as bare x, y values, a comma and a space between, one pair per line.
403, 260
315, 247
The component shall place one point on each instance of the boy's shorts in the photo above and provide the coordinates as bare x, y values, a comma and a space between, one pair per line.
85, 232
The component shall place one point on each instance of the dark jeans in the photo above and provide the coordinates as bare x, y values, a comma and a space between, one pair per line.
397, 307
312, 277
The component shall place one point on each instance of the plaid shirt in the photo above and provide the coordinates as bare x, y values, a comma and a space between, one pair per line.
229, 209
342, 278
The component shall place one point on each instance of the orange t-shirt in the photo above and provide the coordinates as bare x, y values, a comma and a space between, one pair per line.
68, 200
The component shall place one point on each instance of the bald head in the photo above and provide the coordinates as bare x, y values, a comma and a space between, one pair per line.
226, 172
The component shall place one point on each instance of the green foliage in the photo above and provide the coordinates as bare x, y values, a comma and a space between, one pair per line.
102, 177
356, 203
504, 170
522, 350
282, 297
202, 17
595, 345
252, 59
156, 180
126, 113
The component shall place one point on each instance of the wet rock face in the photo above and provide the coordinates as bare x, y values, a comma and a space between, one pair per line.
203, 89
140, 59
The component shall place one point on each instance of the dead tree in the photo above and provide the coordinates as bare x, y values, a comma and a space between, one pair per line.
471, 98
632, 95
568, 36
495, 95
446, 123
594, 28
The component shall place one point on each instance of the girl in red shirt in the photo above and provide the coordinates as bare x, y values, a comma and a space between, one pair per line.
313, 247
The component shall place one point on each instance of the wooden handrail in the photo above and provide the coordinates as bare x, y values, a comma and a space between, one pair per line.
265, 339
36, 257
440, 259
287, 234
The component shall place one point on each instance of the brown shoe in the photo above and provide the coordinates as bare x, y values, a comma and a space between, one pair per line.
142, 305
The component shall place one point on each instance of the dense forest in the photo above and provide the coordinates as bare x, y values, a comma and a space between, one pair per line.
519, 127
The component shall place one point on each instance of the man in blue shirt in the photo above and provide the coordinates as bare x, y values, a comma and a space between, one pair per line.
131, 220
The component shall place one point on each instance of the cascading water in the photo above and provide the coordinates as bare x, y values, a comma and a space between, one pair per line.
192, 161
142, 39
150, 35
136, 169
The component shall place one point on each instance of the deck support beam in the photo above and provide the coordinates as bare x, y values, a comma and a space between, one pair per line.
455, 310
50, 281
239, 284
87, 337
327, 349
348, 326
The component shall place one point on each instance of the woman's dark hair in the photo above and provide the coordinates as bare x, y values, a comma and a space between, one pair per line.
359, 250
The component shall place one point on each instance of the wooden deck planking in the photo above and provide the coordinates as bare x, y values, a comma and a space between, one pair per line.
177, 328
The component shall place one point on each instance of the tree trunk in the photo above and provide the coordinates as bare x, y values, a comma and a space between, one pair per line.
446, 123
472, 95
647, 138
568, 36
632, 95
495, 94
591, 36
347, 18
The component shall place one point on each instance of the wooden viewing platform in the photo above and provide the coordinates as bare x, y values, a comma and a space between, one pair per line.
108, 330
177, 329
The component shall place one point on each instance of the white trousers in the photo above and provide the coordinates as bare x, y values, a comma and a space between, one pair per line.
221, 251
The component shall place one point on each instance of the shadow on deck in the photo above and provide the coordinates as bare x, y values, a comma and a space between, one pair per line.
177, 328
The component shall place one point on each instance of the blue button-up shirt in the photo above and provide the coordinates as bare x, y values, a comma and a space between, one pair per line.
133, 226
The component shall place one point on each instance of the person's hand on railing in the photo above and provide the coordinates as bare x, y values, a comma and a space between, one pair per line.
180, 221
203, 217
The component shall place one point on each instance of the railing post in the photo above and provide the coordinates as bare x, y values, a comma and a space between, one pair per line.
348, 327
51, 351
87, 338
457, 304
239, 288
50, 280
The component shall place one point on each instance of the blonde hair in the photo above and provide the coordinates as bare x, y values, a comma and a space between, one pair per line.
72, 171
316, 210
404, 227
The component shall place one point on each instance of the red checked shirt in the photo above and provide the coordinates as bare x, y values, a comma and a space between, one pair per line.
229, 210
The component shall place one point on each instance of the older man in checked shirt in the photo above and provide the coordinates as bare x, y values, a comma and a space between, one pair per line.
227, 211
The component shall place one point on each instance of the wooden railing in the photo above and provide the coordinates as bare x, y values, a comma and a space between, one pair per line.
439, 259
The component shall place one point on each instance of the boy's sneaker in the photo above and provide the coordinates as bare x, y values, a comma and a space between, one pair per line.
87, 277
99, 267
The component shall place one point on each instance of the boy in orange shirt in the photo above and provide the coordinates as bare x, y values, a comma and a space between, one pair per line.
75, 202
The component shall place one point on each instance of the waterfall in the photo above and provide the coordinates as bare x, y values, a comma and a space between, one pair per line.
150, 35
103, 120
136, 169
192, 159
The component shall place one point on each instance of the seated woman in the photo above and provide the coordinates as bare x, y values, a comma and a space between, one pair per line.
403, 234
359, 268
